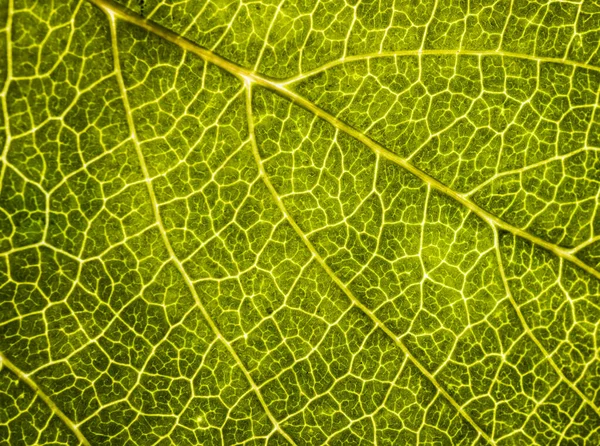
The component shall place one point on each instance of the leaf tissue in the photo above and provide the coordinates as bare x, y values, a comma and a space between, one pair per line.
278, 222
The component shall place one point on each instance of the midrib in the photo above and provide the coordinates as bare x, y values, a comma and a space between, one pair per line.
280, 87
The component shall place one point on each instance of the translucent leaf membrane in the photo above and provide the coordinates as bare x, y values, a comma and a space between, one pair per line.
396, 248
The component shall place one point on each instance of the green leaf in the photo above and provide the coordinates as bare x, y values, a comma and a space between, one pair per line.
318, 222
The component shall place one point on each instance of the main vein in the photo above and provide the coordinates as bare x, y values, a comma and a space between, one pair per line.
163, 232
280, 87
45, 398
493, 220
336, 279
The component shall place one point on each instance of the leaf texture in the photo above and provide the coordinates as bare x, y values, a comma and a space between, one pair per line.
318, 222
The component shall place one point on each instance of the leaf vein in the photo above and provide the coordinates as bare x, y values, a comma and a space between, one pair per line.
280, 88
397, 340
167, 243
53, 407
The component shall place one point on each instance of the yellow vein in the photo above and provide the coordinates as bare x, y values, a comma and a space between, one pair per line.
250, 76
529, 167
163, 232
528, 329
336, 279
45, 398
4, 93
588, 242
418, 53
4, 361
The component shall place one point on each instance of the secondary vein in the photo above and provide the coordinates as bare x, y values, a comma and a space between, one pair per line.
250, 78
355, 301
419, 52
530, 334
167, 243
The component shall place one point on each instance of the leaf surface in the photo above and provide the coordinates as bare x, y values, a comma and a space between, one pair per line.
300, 222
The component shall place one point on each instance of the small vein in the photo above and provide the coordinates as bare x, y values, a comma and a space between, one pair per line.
4, 93
5, 362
